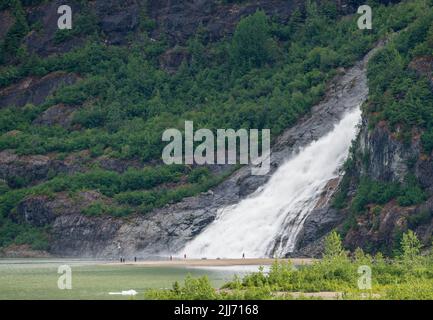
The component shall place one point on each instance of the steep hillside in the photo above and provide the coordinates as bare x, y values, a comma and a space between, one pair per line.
82, 111
388, 185
392, 166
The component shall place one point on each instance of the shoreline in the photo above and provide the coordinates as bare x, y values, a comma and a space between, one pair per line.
213, 262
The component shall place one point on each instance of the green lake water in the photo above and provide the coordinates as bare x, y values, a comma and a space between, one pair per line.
37, 278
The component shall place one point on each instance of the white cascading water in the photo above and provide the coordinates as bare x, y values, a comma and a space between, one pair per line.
268, 222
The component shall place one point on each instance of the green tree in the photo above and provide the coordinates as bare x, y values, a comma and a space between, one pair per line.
333, 246
410, 246
252, 45
14, 36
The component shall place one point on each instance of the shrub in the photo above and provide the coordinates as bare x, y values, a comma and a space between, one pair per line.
421, 218
410, 246
251, 45
199, 175
193, 289
333, 246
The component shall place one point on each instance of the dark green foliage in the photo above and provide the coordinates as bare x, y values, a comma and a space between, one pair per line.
375, 192
12, 233
3, 187
423, 217
12, 41
340, 198
84, 24
129, 101
99, 209
199, 175
251, 45
411, 193
397, 93
193, 289
427, 141
370, 191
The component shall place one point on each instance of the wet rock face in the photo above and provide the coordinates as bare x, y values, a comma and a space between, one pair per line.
180, 19
163, 230
318, 224
87, 238
34, 169
31, 169
117, 19
424, 172
389, 159
36, 211
175, 20
173, 58
34, 90
322, 220
381, 232
71, 231
386, 158
43, 42
59, 114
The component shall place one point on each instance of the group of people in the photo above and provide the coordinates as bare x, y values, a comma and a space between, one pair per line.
122, 260
184, 256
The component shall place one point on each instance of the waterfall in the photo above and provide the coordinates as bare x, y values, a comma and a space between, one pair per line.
268, 222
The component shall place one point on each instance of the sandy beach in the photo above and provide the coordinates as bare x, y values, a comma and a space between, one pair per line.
213, 262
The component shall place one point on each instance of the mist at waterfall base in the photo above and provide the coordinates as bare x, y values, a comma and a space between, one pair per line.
267, 223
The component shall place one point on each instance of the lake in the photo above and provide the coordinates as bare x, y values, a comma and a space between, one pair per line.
37, 278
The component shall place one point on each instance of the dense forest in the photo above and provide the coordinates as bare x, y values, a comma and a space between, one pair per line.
267, 74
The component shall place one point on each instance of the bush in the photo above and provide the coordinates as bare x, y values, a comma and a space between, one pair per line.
199, 175
427, 141
12, 40
252, 45
370, 191
410, 246
333, 246
3, 187
99, 208
421, 218
193, 289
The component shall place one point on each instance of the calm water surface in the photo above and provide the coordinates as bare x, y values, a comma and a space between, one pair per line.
37, 278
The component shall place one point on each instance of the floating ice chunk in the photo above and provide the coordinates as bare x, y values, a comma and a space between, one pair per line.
124, 293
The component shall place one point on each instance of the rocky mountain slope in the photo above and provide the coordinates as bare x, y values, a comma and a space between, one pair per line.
388, 185
78, 179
